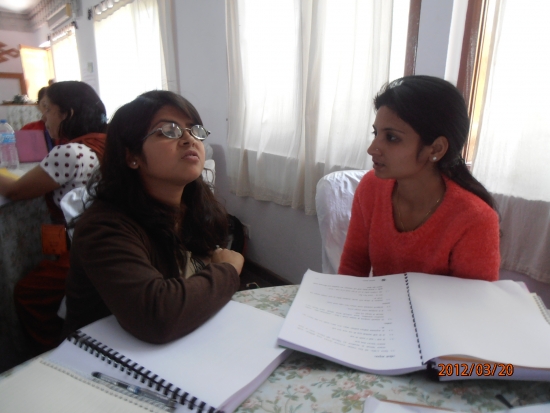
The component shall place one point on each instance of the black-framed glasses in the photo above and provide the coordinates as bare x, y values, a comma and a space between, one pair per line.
173, 131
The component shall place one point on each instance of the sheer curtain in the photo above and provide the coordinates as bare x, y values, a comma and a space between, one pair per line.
514, 138
512, 158
129, 53
65, 55
302, 76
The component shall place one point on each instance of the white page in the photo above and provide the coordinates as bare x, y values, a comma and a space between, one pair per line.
496, 321
213, 363
361, 322
37, 387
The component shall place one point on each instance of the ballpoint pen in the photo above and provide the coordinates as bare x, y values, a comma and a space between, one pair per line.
139, 391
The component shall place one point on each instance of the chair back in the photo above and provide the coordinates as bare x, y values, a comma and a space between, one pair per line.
333, 202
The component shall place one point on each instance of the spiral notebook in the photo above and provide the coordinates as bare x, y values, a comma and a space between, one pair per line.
215, 368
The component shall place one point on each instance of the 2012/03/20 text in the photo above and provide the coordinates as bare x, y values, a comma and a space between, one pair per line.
476, 369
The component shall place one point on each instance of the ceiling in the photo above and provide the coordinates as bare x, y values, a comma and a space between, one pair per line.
17, 6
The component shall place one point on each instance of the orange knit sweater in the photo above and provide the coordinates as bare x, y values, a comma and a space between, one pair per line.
460, 239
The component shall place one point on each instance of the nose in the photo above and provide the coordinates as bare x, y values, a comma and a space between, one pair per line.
373, 149
186, 138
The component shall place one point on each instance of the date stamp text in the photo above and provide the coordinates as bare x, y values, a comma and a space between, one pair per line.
476, 369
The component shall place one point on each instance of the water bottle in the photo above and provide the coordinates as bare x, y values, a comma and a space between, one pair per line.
8, 151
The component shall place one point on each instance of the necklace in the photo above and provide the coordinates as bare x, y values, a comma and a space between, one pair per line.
432, 209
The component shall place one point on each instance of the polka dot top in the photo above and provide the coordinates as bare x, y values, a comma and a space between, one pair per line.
71, 166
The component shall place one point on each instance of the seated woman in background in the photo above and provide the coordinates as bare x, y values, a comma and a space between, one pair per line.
41, 124
75, 118
420, 209
146, 250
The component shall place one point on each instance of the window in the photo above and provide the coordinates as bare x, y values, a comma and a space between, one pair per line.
65, 54
129, 53
302, 77
510, 132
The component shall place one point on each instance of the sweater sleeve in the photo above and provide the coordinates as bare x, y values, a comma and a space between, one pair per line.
476, 255
115, 255
355, 258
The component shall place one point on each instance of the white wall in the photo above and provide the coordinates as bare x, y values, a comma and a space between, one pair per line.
284, 240
433, 37
10, 87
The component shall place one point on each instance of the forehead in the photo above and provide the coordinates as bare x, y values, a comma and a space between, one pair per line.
385, 117
171, 114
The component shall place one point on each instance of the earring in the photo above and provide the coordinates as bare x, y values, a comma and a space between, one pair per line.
135, 163
434, 158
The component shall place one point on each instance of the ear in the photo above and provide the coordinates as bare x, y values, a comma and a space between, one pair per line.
131, 160
438, 148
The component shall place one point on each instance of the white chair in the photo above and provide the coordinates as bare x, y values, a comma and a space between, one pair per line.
333, 203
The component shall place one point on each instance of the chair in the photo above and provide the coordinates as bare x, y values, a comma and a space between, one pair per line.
333, 202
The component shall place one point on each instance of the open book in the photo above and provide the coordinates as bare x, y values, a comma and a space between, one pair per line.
397, 323
216, 367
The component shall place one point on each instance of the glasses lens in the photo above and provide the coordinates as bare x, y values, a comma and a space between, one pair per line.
171, 130
199, 132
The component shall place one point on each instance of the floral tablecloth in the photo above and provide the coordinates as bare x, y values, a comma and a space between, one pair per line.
20, 251
305, 383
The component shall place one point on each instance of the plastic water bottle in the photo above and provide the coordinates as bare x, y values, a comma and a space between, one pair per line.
8, 150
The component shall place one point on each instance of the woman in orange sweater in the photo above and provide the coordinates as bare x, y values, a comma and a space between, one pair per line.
420, 209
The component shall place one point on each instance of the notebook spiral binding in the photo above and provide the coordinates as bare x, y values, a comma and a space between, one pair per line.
131, 368
542, 307
414, 320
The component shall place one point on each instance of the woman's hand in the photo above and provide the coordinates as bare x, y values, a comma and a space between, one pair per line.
232, 257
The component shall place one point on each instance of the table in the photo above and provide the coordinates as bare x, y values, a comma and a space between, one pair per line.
20, 251
305, 383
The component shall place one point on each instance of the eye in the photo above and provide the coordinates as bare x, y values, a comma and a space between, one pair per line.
392, 138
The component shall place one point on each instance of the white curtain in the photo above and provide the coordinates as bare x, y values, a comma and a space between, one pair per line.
129, 53
514, 139
302, 76
65, 55
513, 154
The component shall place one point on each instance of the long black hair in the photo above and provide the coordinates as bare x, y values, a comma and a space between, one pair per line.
84, 110
434, 107
202, 219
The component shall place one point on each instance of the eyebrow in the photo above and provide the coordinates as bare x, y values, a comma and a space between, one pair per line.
389, 129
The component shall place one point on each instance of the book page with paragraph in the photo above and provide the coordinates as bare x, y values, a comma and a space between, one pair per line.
361, 322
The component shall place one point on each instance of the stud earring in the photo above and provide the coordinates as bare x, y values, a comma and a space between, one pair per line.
434, 158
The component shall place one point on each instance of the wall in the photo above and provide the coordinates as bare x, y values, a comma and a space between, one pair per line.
433, 37
10, 87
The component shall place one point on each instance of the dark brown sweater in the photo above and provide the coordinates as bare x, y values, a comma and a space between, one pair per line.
117, 268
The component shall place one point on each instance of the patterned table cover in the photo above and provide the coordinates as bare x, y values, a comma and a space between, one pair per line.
305, 383
20, 251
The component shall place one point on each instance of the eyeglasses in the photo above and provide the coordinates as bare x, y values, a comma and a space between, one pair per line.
173, 131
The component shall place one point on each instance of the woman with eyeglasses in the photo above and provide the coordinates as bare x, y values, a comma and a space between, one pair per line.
147, 249
420, 209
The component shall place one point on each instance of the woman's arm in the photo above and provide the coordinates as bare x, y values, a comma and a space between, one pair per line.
116, 256
33, 184
477, 253
355, 258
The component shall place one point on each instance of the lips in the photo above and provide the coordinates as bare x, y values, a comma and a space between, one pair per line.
376, 163
191, 154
